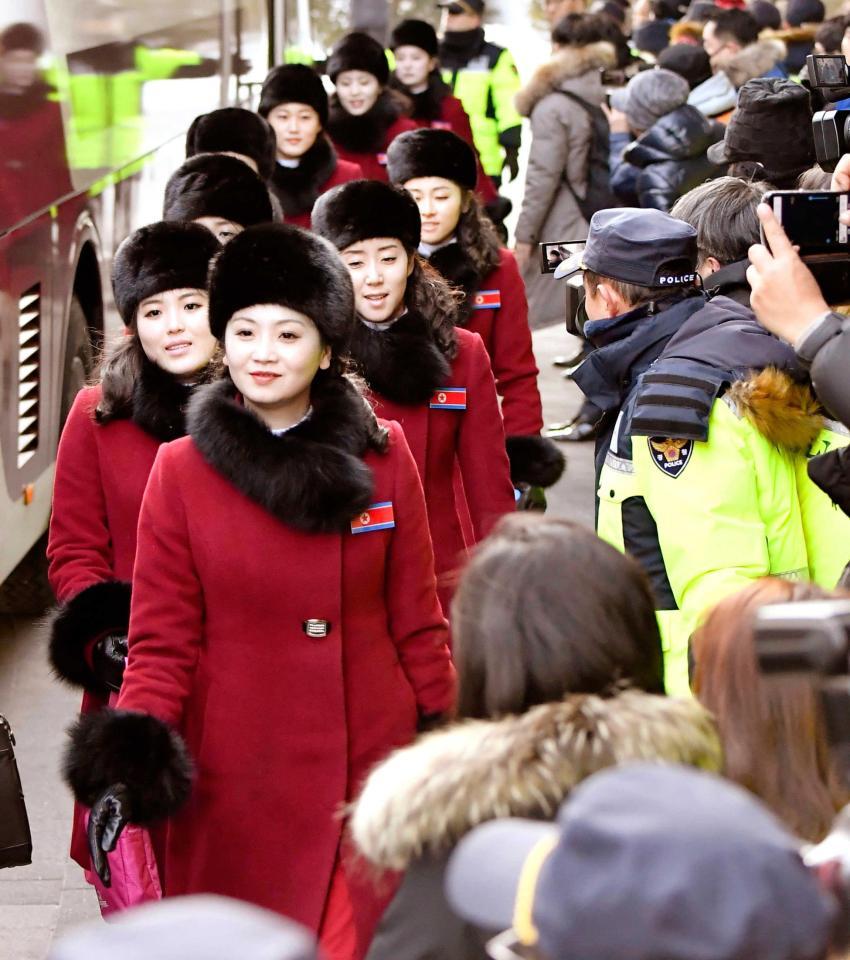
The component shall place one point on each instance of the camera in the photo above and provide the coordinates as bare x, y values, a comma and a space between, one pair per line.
552, 255
830, 75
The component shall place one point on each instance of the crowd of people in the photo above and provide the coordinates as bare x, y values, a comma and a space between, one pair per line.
326, 640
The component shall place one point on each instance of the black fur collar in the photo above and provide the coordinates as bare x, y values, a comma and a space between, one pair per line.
402, 363
427, 105
159, 402
368, 133
313, 477
299, 187
456, 266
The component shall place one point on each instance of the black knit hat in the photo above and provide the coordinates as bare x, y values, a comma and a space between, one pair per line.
766, 14
432, 153
234, 130
159, 257
215, 185
365, 209
358, 51
282, 264
415, 33
294, 83
22, 36
772, 125
688, 61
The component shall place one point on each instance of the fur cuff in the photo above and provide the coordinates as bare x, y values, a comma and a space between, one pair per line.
134, 749
534, 460
96, 611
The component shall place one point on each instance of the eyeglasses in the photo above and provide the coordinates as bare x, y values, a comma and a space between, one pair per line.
505, 946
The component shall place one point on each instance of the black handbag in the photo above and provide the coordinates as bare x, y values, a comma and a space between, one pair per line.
15, 837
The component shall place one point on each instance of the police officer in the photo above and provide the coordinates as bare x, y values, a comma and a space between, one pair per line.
704, 479
484, 78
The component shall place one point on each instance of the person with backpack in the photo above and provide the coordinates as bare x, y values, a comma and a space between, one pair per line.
567, 179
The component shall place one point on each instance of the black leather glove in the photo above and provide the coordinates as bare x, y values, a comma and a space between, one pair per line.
108, 657
511, 162
107, 819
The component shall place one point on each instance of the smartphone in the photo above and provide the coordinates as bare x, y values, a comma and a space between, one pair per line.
552, 254
811, 219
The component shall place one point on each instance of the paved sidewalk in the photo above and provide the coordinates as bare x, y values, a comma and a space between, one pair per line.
39, 902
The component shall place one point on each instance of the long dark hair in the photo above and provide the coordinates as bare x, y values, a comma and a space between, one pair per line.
429, 296
546, 608
120, 368
477, 236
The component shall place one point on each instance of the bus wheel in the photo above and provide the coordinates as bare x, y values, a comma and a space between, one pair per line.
26, 591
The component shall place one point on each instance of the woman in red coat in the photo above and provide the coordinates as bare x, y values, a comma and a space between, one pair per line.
438, 169
417, 75
365, 114
108, 446
422, 371
294, 102
285, 632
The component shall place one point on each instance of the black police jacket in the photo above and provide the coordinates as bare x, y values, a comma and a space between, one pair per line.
671, 156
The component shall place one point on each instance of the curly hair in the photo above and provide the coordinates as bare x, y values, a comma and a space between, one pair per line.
477, 236
430, 296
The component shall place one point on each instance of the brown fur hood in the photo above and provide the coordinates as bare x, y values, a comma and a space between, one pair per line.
565, 65
425, 797
755, 60
783, 411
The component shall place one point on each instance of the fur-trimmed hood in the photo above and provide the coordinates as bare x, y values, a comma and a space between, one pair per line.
566, 65
298, 188
425, 797
785, 412
755, 60
313, 476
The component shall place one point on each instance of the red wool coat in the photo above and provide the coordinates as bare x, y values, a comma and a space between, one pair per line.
344, 172
101, 472
455, 118
460, 430
374, 165
282, 727
500, 317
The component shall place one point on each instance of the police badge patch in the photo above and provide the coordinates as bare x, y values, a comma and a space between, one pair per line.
670, 455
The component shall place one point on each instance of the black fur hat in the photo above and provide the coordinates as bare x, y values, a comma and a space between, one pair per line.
234, 130
214, 185
294, 83
415, 33
365, 209
22, 36
358, 51
159, 257
279, 263
432, 153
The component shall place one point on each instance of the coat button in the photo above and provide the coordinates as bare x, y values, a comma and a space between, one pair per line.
316, 629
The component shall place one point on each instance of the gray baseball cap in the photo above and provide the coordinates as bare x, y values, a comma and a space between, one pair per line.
649, 96
190, 928
646, 861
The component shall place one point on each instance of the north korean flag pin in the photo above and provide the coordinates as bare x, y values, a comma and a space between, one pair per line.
449, 398
379, 516
487, 300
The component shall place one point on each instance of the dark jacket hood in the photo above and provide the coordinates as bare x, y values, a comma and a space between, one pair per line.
682, 134
424, 798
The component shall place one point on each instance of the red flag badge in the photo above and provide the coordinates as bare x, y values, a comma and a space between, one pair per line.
487, 300
449, 398
379, 516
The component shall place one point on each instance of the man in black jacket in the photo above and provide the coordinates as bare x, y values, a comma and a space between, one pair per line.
723, 213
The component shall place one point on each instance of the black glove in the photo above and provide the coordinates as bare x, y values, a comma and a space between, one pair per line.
107, 657
107, 819
511, 161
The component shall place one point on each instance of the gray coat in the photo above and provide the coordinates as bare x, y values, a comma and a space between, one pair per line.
561, 136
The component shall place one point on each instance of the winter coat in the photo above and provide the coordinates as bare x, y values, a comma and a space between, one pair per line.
449, 411
561, 138
725, 399
101, 473
670, 158
730, 281
420, 802
285, 623
320, 170
763, 58
829, 371
799, 43
365, 140
437, 109
715, 97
